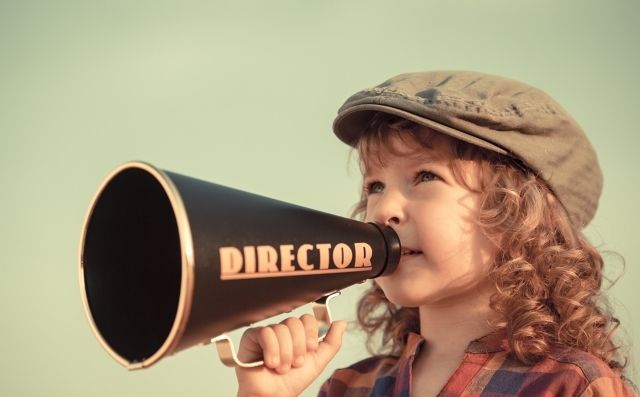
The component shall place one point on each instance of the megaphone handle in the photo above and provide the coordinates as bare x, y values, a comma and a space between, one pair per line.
227, 351
322, 313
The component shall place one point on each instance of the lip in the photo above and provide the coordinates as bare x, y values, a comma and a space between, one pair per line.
413, 259
408, 251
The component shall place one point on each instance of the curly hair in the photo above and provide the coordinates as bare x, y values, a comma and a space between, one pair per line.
547, 275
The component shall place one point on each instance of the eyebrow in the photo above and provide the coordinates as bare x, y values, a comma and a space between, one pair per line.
420, 157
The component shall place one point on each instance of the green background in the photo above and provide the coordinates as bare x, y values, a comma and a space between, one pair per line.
243, 94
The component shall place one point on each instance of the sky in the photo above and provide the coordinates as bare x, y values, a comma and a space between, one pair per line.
243, 94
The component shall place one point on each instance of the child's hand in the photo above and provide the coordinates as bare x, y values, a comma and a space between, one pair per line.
293, 357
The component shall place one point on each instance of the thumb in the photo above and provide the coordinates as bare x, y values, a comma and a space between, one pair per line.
331, 343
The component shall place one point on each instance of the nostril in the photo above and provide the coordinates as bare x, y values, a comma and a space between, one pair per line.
393, 221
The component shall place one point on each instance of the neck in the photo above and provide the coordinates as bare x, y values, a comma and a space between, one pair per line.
450, 325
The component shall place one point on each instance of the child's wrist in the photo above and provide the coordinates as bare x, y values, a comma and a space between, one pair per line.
244, 393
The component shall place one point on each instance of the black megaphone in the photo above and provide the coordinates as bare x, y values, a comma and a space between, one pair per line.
168, 261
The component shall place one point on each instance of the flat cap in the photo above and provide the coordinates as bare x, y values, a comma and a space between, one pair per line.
496, 113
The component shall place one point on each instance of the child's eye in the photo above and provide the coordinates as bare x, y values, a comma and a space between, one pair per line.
425, 176
373, 187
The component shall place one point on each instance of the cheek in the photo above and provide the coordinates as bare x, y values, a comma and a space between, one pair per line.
368, 212
435, 218
448, 231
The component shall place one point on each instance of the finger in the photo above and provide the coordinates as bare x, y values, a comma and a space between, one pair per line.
311, 331
331, 343
250, 349
299, 342
268, 342
285, 344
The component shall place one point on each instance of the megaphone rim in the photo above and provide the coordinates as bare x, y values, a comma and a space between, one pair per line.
187, 265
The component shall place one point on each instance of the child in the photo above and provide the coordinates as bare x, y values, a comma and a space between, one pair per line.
488, 183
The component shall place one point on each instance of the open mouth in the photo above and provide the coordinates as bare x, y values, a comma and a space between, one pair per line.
409, 251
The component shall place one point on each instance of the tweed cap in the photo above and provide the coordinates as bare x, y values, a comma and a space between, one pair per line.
495, 113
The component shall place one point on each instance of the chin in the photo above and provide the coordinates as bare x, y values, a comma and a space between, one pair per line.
405, 289
400, 297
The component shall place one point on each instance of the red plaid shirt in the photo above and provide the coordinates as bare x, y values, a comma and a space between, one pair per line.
487, 370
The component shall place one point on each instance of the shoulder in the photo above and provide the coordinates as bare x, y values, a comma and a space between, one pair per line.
585, 364
595, 374
569, 372
377, 372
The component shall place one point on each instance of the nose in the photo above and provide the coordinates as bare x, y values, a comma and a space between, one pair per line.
386, 209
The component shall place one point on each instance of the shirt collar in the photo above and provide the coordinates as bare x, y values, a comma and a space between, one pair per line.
491, 343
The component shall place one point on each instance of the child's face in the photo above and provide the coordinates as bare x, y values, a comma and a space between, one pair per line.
445, 255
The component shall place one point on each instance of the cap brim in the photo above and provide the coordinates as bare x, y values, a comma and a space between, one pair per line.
349, 125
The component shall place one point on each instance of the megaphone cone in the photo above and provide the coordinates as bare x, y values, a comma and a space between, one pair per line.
168, 261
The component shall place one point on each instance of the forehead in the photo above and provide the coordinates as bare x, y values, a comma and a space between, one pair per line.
419, 145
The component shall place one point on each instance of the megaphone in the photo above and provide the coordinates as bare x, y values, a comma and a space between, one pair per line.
168, 261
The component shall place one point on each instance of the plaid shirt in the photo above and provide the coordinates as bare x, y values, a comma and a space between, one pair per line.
487, 370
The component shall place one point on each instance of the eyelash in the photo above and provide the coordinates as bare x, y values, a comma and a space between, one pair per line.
425, 172
369, 188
